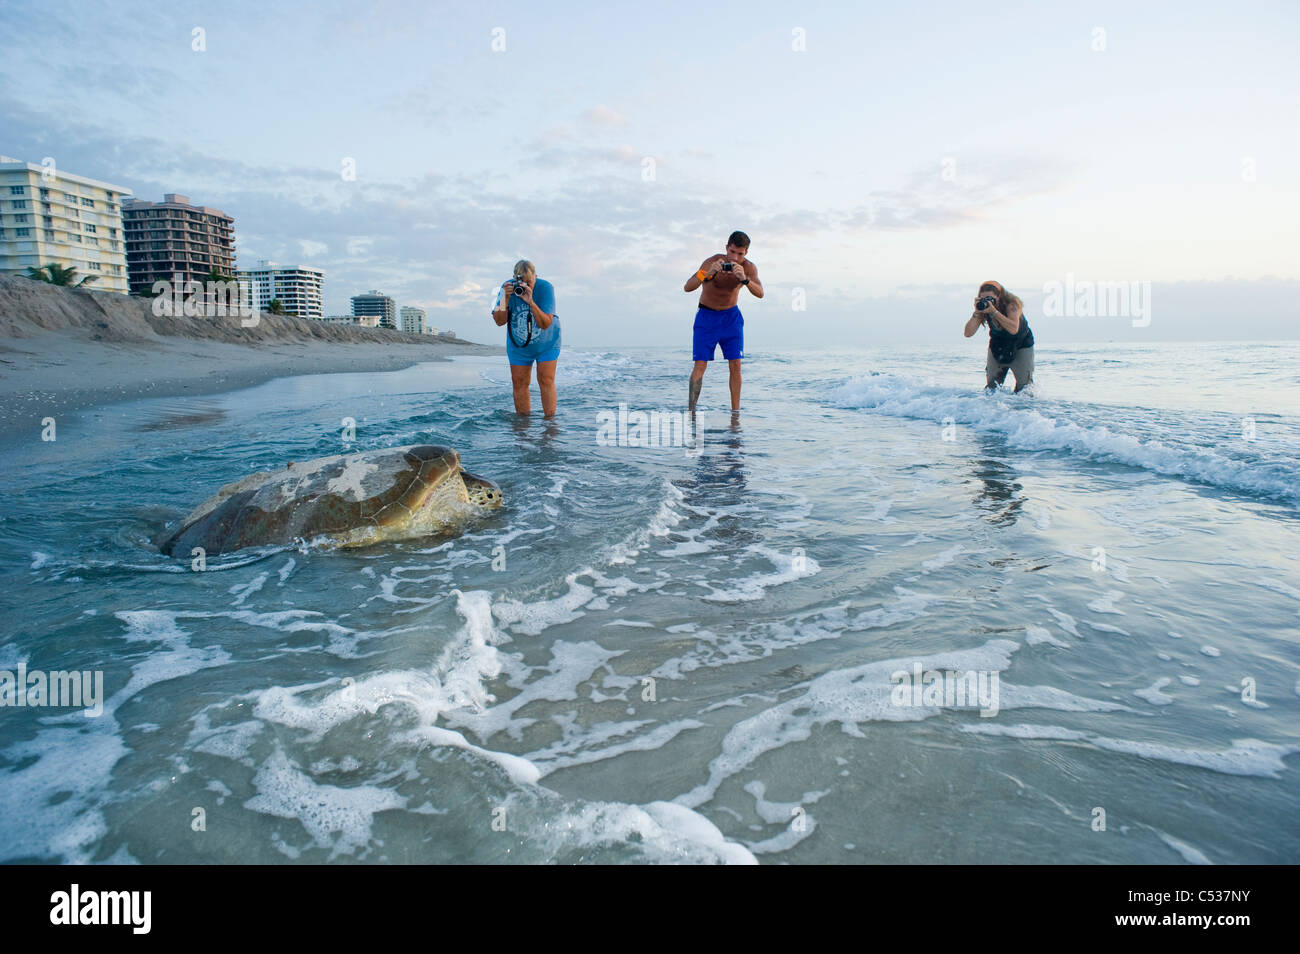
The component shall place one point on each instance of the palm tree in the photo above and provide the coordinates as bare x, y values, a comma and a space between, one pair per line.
214, 275
213, 283
57, 274
275, 307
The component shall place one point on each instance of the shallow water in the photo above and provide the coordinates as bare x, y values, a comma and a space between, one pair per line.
658, 654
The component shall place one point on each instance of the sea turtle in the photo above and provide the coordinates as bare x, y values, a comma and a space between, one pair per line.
349, 500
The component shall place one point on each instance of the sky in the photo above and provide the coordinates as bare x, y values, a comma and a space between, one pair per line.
884, 158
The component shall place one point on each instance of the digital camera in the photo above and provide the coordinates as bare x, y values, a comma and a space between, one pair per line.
519, 286
985, 301
728, 266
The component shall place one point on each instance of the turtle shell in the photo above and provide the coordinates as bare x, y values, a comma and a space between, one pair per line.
354, 497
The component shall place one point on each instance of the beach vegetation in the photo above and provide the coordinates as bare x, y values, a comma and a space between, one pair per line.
56, 274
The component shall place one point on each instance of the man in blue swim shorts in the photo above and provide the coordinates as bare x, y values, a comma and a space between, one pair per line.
526, 306
718, 321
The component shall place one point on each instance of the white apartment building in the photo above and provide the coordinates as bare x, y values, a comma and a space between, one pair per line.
412, 320
48, 216
298, 287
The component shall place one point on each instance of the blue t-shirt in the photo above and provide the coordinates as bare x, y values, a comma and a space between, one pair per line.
543, 341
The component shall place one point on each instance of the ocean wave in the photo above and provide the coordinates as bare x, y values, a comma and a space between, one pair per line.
455, 693
1033, 428
864, 694
1244, 757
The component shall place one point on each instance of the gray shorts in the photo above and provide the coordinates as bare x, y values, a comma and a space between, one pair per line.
1022, 366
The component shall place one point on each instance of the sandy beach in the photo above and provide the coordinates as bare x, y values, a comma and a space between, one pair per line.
62, 350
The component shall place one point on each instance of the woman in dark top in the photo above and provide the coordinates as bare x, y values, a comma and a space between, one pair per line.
1011, 343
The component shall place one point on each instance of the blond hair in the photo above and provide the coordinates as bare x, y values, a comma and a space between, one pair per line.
523, 268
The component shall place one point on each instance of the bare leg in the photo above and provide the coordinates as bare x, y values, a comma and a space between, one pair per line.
521, 375
546, 384
696, 382
734, 382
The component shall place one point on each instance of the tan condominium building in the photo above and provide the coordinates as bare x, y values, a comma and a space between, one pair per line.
52, 217
412, 319
172, 237
298, 288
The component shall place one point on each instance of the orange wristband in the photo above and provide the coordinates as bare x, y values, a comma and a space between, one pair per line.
702, 275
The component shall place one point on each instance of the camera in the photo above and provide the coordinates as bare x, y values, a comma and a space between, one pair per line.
985, 301
519, 286
728, 266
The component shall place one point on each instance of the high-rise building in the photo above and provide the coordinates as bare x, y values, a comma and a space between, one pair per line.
52, 217
376, 304
297, 287
412, 319
173, 237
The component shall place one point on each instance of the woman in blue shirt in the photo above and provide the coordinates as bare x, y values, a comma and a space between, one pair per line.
526, 306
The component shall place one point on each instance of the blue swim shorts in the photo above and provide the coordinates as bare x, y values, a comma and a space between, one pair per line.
713, 328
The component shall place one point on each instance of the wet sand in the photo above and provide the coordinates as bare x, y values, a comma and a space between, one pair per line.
54, 374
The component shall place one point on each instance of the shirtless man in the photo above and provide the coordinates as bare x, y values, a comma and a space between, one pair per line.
718, 321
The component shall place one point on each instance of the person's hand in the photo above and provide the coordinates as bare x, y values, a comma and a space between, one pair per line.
508, 291
527, 295
716, 266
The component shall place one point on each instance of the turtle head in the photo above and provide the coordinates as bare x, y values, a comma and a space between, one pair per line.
482, 492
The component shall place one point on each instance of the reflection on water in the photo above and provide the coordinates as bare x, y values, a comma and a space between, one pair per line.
173, 413
532, 429
719, 484
1000, 498
720, 469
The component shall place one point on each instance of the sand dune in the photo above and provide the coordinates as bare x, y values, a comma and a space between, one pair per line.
64, 348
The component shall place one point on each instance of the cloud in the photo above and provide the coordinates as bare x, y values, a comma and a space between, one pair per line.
432, 106
960, 192
595, 227
139, 81
543, 156
464, 295
603, 116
